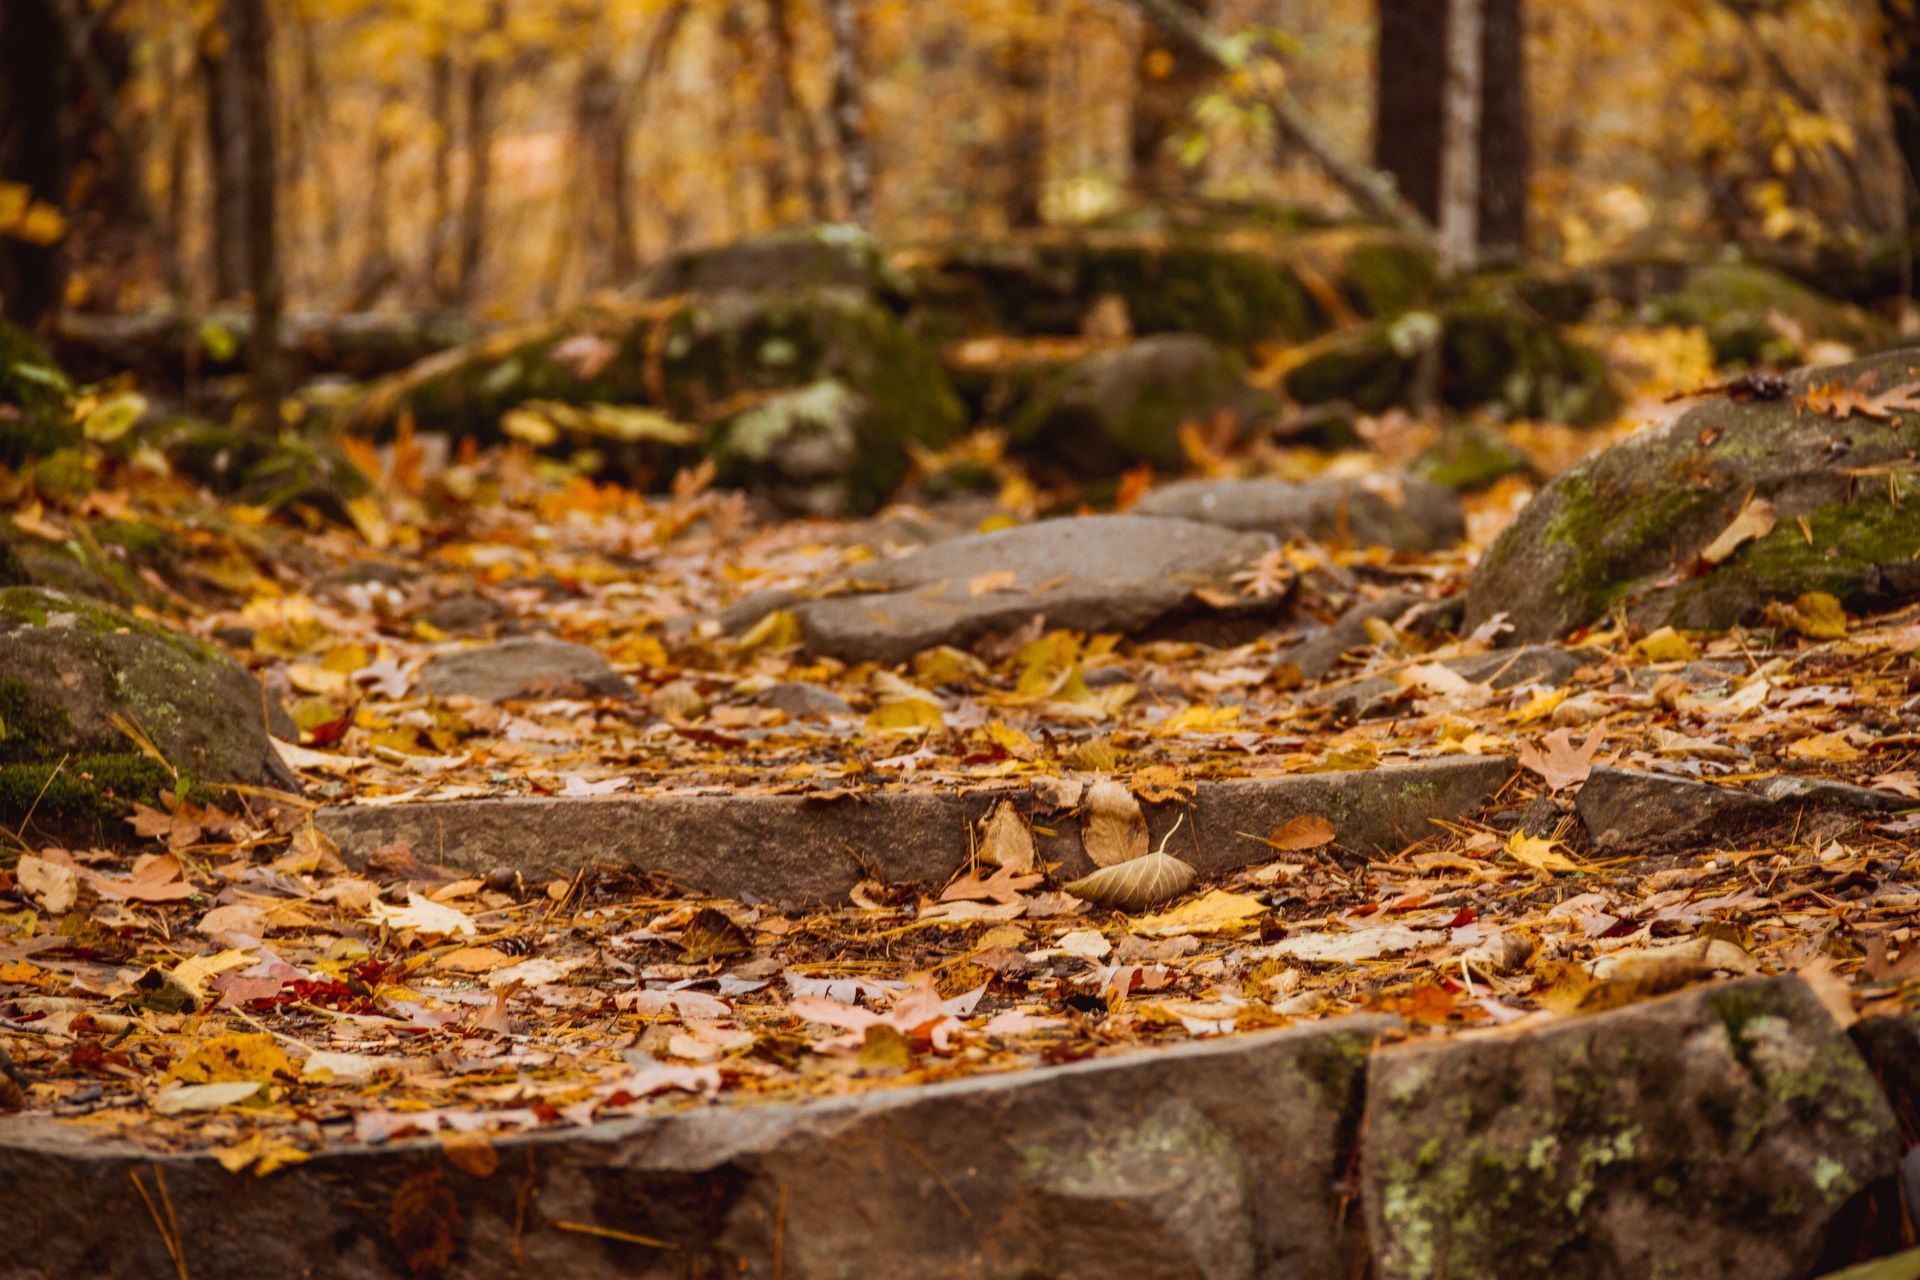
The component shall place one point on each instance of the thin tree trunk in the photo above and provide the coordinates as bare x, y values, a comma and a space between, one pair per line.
440, 223
33, 151
1023, 71
1460, 134
1410, 76
1170, 74
800, 123
1368, 188
479, 155
849, 111
1506, 151
225, 177
251, 52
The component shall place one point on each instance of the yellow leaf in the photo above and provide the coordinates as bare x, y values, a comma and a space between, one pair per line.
370, 520
1755, 520
906, 715
528, 428
196, 972
1011, 740
778, 630
114, 417
1215, 912
1816, 615
1200, 719
1539, 852
234, 1057
1539, 706
1826, 746
1668, 645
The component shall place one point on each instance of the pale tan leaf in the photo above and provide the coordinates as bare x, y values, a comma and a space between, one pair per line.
1755, 520
1006, 840
1135, 883
1113, 829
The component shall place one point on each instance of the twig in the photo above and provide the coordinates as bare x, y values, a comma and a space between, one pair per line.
166, 1236
20, 836
608, 1233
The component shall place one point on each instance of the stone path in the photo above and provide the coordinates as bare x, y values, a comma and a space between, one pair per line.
1729, 1131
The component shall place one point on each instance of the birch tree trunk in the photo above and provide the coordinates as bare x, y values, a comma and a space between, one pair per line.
1460, 134
849, 110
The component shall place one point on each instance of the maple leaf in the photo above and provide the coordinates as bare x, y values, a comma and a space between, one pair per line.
1269, 576
1539, 852
1004, 885
1561, 762
1836, 400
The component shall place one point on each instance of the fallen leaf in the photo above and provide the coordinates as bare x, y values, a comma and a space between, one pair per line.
53, 886
205, 1097
1559, 760
1136, 883
1755, 519
1832, 747
1004, 885
424, 916
1113, 829
1006, 841
1216, 911
1354, 945
1539, 853
1307, 831
1815, 615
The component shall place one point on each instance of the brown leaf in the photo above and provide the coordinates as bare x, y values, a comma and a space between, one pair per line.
712, 935
1113, 829
1755, 519
1136, 883
1162, 784
1004, 885
1308, 831
1006, 840
1560, 761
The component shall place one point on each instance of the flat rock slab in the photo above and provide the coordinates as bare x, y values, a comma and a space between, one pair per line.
1634, 810
1717, 1133
1406, 513
1094, 573
798, 848
525, 667
1501, 669
1219, 1159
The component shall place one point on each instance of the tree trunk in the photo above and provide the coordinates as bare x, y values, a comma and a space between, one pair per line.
33, 151
1900, 21
479, 155
849, 111
1023, 77
251, 53
1450, 119
440, 220
1460, 106
1169, 76
226, 177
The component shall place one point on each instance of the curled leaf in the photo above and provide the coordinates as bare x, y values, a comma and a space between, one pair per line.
1135, 883
1006, 840
1113, 829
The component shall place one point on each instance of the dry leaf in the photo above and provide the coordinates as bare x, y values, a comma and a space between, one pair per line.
1006, 840
1559, 760
1832, 746
1755, 520
1135, 883
1539, 852
1113, 830
1308, 831
1214, 912
1816, 615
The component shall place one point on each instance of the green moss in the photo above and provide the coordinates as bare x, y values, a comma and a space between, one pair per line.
35, 419
28, 725
87, 791
1468, 457
1755, 315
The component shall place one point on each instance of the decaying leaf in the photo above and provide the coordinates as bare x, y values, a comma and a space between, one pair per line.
1539, 853
1755, 519
1307, 831
1816, 615
1136, 883
712, 935
1113, 829
1559, 760
1006, 840
1217, 911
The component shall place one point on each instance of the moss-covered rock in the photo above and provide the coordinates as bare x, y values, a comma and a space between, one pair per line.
1112, 409
1469, 456
700, 362
1238, 288
35, 417
1755, 315
828, 256
270, 471
1718, 1133
1492, 351
1627, 526
80, 684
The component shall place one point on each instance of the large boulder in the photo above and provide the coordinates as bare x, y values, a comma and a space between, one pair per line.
1756, 315
76, 676
1627, 527
1719, 1133
1114, 408
1237, 287
1094, 573
829, 256
653, 383
1402, 512
1486, 348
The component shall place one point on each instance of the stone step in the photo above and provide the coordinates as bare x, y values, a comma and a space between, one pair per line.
809, 848
1727, 1131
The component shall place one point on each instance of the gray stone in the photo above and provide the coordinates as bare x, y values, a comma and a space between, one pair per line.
797, 848
818, 257
524, 667
463, 613
72, 671
1115, 408
1501, 669
1821, 793
1628, 809
1407, 513
1094, 573
804, 701
1714, 1134
1317, 654
1627, 526
1212, 1160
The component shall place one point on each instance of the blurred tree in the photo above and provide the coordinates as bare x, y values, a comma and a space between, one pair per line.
1169, 77
34, 89
250, 51
1476, 136
849, 111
